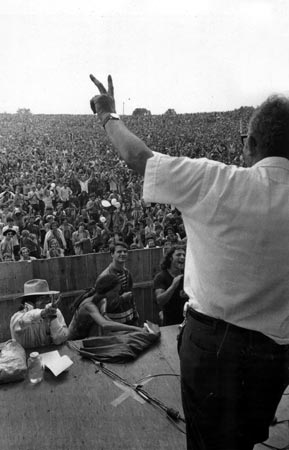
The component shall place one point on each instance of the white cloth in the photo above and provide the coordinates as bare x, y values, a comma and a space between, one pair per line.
30, 330
65, 193
237, 225
83, 185
49, 235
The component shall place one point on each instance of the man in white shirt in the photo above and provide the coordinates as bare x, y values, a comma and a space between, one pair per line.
33, 199
38, 322
234, 346
64, 194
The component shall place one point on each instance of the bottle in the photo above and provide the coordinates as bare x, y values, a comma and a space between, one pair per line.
35, 368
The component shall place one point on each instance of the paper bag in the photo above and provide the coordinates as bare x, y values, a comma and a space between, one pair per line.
13, 365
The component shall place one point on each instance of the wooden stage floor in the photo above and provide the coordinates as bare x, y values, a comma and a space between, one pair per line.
84, 410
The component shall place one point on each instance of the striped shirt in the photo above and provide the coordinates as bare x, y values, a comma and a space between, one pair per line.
121, 309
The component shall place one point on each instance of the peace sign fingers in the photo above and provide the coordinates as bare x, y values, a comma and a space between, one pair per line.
100, 86
110, 86
103, 103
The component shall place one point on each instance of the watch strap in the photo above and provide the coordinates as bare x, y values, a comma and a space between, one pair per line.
109, 116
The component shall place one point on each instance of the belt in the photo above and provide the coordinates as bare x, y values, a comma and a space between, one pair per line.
222, 328
213, 322
200, 317
221, 325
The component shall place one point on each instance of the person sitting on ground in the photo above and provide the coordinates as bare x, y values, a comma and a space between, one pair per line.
122, 308
90, 317
38, 322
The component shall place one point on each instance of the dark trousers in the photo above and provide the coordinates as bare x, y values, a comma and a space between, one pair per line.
232, 381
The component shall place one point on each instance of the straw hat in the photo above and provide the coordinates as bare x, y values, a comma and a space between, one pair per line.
37, 287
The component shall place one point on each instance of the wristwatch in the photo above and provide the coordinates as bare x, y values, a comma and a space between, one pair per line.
110, 116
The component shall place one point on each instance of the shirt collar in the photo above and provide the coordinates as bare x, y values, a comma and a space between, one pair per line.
273, 161
117, 270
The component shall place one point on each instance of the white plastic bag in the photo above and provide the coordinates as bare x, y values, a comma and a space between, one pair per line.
13, 365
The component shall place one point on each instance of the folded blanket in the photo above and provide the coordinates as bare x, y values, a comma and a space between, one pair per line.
122, 346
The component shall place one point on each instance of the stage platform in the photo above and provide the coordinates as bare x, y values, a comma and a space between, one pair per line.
85, 410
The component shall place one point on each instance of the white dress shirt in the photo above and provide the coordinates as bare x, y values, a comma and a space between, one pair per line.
30, 330
237, 225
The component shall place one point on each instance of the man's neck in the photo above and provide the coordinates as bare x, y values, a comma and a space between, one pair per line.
117, 266
174, 271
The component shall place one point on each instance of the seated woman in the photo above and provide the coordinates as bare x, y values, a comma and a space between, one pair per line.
90, 317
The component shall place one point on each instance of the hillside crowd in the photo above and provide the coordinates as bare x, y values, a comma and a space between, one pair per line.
64, 191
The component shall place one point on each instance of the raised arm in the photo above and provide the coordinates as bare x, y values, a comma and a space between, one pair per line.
132, 149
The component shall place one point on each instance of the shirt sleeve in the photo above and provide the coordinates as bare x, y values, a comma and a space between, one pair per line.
58, 329
160, 282
174, 180
45, 245
62, 238
23, 319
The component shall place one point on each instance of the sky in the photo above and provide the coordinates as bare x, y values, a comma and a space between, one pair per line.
189, 55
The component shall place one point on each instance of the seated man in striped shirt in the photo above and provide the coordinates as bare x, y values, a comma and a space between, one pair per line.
122, 308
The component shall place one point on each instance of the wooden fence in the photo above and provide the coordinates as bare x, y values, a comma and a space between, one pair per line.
71, 275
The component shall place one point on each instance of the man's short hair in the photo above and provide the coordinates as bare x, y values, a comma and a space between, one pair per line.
115, 244
269, 125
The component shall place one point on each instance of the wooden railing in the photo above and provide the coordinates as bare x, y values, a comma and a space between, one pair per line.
71, 275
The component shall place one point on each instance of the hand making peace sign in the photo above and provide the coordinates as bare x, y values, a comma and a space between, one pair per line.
103, 103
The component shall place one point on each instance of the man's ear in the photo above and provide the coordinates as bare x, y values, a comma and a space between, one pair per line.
252, 146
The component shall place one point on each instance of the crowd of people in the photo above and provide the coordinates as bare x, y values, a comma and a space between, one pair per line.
63, 191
